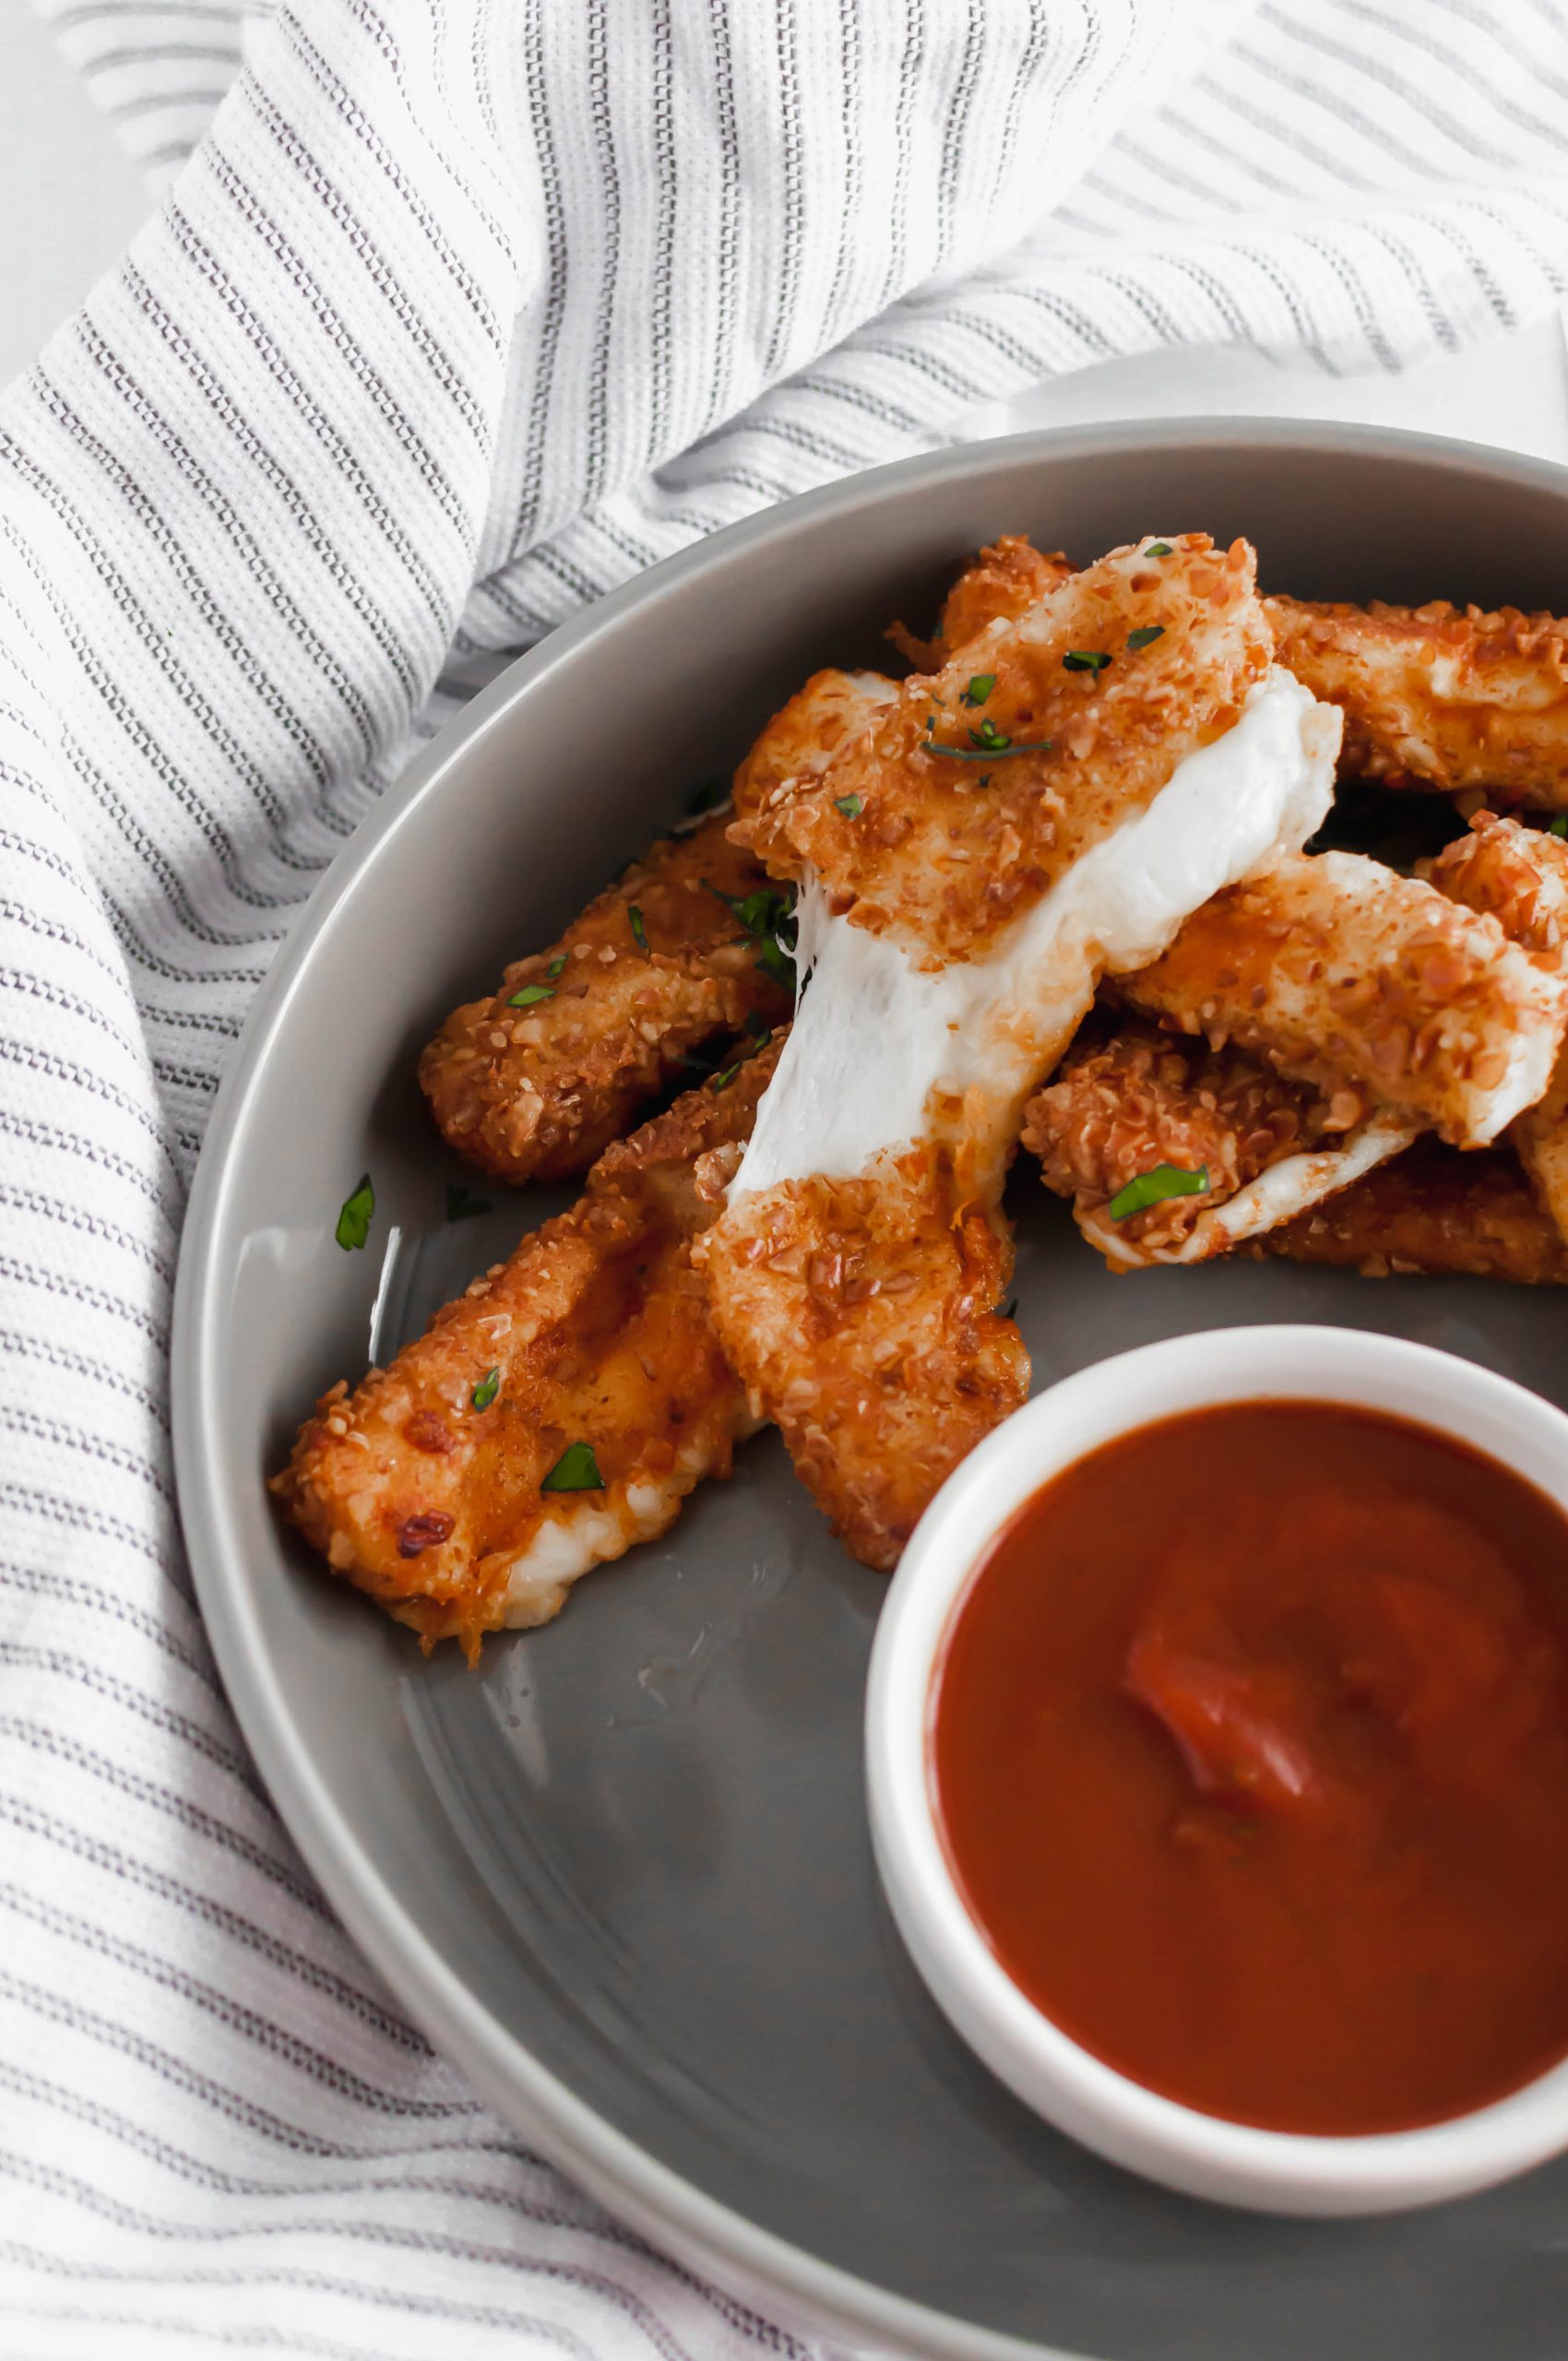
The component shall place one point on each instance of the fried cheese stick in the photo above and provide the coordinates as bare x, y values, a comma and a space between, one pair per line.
532, 1082
1439, 696
559, 1411
1432, 1211
1052, 805
1129, 1100
1519, 877
1371, 990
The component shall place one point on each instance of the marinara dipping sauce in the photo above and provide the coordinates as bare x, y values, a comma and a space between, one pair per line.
1249, 1749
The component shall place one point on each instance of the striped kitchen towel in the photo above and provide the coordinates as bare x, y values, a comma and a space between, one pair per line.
455, 313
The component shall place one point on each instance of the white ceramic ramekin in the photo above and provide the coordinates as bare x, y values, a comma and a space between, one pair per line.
1272, 2171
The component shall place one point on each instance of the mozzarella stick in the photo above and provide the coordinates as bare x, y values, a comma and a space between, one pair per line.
1172, 1152
1519, 876
1432, 1211
559, 1411
1371, 986
1439, 696
1051, 804
531, 1083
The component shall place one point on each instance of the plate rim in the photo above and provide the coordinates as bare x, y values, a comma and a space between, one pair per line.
759, 2267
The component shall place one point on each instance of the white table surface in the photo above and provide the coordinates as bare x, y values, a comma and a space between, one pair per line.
70, 202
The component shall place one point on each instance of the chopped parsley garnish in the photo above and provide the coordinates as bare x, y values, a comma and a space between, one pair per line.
707, 796
487, 1389
556, 966
1153, 1188
353, 1216
980, 688
1146, 634
1157, 549
530, 995
1558, 827
983, 753
851, 806
639, 932
1086, 660
769, 917
460, 1205
576, 1470
721, 1080
989, 739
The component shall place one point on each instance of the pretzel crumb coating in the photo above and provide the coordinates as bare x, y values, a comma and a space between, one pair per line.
423, 1486
1006, 578
1519, 876
861, 1313
1353, 979
1439, 696
1432, 1211
917, 831
536, 1092
807, 733
1125, 1102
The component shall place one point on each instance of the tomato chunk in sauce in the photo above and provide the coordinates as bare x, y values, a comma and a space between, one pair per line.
1251, 1754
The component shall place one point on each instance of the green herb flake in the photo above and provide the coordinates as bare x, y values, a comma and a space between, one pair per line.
1558, 827
851, 806
707, 796
1157, 549
576, 1470
1146, 635
992, 754
530, 995
980, 688
639, 932
1153, 1188
721, 1081
1086, 660
460, 1205
487, 1389
353, 1218
989, 739
556, 966
769, 917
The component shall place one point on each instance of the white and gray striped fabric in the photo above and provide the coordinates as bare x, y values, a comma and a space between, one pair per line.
456, 313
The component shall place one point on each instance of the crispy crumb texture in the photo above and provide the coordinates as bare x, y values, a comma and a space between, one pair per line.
595, 1332
1440, 695
535, 1093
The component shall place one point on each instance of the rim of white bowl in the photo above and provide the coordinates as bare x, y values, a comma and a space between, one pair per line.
1204, 2154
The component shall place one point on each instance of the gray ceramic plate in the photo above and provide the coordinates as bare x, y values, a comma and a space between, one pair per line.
621, 1874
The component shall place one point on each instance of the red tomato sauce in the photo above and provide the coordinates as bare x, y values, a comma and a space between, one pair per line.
1251, 1753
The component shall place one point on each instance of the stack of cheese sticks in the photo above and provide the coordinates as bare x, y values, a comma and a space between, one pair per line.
1051, 887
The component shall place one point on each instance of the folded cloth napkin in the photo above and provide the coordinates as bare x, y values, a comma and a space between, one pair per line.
456, 313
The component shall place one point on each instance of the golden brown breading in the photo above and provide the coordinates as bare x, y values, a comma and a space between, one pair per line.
535, 1093
1439, 696
424, 1484
1005, 580
944, 846
1368, 985
1127, 1100
863, 1313
1431, 1210
1520, 877
807, 732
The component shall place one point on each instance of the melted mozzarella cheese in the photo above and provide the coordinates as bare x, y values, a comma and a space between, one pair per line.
875, 1036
